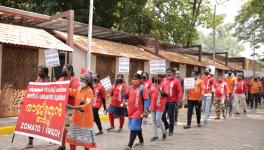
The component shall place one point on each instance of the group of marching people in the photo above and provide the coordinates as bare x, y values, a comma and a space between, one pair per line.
159, 96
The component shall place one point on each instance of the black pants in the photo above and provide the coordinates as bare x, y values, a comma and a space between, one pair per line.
229, 103
248, 98
198, 105
133, 135
176, 111
254, 98
170, 109
97, 118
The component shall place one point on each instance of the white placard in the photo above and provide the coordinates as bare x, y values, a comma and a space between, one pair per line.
212, 68
248, 73
189, 83
260, 74
157, 66
123, 65
106, 82
52, 58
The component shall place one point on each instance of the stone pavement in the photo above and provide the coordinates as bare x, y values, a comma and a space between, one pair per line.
244, 132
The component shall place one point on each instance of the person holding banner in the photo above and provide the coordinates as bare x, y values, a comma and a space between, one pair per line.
158, 94
207, 99
138, 104
117, 107
221, 93
173, 85
99, 99
194, 97
43, 76
230, 81
68, 75
80, 133
240, 95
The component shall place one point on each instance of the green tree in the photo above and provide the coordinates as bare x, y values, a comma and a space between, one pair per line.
176, 21
249, 25
225, 42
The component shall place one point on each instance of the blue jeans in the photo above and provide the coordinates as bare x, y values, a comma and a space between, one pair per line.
170, 109
206, 104
157, 123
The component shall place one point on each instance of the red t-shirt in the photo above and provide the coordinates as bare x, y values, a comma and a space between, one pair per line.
99, 94
74, 83
135, 102
208, 83
118, 91
147, 83
221, 89
174, 89
241, 87
157, 102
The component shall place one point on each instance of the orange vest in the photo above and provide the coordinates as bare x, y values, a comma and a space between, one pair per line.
197, 92
230, 81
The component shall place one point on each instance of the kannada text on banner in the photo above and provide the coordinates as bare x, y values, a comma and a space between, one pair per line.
42, 113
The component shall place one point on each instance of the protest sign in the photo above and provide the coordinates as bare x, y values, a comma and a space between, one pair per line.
42, 113
123, 65
52, 58
106, 82
189, 83
157, 66
212, 68
248, 73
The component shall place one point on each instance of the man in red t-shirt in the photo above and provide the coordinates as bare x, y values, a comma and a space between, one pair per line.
207, 99
173, 85
240, 94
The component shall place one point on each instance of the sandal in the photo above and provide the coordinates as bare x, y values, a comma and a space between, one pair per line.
98, 133
28, 146
111, 128
119, 130
139, 144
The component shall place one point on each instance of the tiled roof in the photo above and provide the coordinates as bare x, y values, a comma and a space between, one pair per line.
18, 35
180, 58
208, 61
106, 47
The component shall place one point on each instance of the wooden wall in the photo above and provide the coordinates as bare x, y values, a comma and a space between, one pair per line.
19, 67
106, 66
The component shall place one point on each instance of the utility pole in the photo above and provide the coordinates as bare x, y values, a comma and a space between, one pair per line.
214, 26
90, 28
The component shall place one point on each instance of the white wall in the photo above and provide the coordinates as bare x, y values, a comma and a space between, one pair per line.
78, 61
1, 53
182, 69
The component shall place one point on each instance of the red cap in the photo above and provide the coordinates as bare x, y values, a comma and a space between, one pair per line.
83, 71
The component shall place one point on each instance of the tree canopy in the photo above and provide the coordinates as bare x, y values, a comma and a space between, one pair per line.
174, 21
225, 42
249, 25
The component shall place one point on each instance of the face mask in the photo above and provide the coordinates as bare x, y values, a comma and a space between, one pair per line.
229, 74
119, 81
41, 74
64, 73
95, 80
238, 79
83, 85
136, 82
144, 77
206, 73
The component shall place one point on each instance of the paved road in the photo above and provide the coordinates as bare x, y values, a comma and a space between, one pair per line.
244, 132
